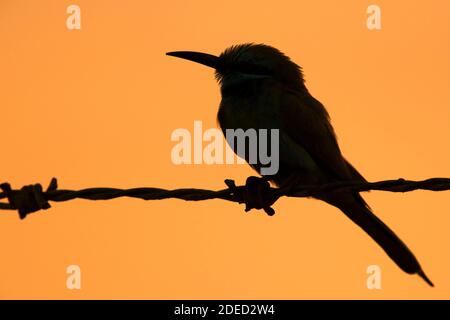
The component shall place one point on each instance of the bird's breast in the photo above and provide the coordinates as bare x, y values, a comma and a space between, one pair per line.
260, 109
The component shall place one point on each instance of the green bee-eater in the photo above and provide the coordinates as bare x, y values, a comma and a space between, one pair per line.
263, 89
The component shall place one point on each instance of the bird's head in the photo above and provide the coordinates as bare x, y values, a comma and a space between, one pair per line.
249, 62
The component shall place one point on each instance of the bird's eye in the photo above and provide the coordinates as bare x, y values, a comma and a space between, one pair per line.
251, 68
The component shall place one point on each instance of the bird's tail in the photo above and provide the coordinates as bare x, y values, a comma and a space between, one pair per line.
359, 212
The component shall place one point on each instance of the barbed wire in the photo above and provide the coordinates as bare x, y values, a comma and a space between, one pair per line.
32, 198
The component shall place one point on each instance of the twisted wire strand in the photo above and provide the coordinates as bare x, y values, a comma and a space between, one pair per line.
32, 198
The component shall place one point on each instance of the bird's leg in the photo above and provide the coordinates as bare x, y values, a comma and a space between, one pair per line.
258, 195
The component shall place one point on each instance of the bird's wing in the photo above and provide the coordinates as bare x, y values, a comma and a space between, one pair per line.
307, 122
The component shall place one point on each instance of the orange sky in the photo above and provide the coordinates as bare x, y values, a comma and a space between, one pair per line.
96, 107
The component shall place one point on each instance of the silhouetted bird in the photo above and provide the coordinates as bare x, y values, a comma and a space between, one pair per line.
263, 89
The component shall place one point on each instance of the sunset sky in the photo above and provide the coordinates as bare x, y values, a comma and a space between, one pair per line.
96, 107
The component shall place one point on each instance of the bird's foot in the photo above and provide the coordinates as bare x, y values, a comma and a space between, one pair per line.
256, 194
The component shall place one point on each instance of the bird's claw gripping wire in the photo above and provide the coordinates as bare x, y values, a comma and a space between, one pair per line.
256, 194
29, 198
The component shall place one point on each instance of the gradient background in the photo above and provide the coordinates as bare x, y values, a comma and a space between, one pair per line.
96, 107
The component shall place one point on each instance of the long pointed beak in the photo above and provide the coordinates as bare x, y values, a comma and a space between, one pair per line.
199, 57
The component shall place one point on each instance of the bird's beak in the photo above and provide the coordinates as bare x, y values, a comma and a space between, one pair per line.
199, 57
